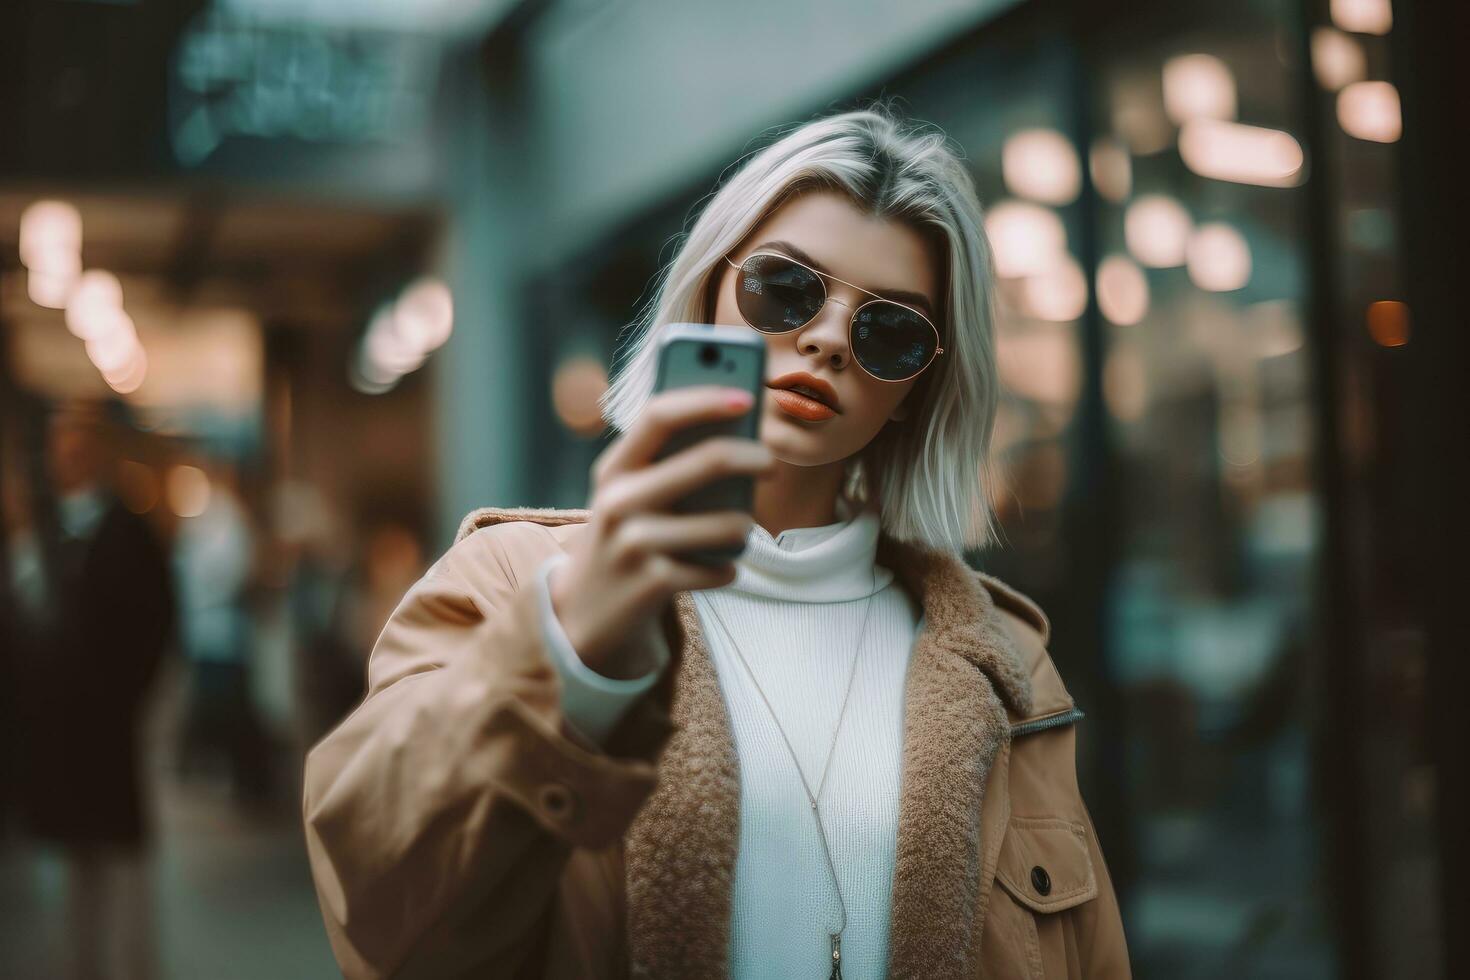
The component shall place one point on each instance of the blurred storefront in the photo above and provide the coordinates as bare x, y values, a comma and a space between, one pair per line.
370, 266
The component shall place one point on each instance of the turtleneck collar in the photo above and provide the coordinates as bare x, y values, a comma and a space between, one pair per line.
827, 563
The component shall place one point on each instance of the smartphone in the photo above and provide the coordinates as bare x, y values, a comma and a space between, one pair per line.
710, 354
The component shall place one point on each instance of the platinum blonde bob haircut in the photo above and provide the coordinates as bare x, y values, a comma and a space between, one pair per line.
930, 473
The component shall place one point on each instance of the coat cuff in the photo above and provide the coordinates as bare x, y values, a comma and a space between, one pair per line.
592, 703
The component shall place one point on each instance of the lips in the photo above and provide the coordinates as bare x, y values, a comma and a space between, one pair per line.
801, 406
810, 387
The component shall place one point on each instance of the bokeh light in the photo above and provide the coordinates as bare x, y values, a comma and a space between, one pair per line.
1156, 228
1041, 164
1370, 111
1027, 239
1198, 86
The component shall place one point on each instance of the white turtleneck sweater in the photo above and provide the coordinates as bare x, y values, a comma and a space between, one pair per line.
795, 609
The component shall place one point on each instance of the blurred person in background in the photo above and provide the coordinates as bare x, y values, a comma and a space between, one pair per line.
214, 554
566, 765
99, 618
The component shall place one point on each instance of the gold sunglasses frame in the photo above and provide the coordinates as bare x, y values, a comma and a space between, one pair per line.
822, 277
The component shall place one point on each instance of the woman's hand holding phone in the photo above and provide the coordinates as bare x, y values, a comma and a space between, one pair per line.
623, 572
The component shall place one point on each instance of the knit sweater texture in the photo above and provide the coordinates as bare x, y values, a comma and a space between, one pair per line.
795, 610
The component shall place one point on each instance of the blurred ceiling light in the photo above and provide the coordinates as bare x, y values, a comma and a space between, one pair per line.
1125, 383
1219, 258
366, 378
1041, 164
1122, 290
113, 350
93, 304
1058, 294
1244, 154
187, 488
48, 228
1111, 168
1041, 363
576, 388
1156, 228
1337, 59
1198, 85
423, 316
1027, 239
1388, 322
129, 378
389, 350
1363, 16
1370, 111
48, 289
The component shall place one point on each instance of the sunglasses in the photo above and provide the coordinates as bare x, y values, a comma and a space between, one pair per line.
777, 294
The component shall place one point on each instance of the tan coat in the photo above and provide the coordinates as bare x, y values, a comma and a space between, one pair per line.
457, 827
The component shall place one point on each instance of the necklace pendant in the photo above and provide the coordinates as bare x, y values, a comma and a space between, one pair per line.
836, 957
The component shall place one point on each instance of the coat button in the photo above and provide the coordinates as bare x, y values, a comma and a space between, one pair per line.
1040, 880
558, 800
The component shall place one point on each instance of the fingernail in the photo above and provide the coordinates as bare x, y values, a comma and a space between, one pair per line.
739, 399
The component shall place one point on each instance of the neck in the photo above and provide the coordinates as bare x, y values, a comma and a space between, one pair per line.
798, 496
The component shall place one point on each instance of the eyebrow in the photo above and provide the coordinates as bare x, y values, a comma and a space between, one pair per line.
896, 295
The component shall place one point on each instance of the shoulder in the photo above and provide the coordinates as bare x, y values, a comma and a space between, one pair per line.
1028, 628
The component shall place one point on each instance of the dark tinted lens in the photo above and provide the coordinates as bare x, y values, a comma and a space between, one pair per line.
892, 342
775, 294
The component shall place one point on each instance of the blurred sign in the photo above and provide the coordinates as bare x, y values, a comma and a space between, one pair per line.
234, 75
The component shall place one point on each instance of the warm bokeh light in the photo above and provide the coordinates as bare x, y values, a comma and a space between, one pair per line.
94, 303
1370, 111
187, 489
1337, 59
1111, 168
48, 229
1058, 294
387, 349
1041, 164
1243, 154
113, 349
1363, 16
1388, 322
1156, 228
49, 288
1125, 383
129, 378
1122, 290
424, 315
575, 389
1219, 258
1027, 239
1198, 85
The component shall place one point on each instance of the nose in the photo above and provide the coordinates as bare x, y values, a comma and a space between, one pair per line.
826, 334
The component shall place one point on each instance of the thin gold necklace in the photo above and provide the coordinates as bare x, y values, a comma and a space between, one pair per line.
836, 973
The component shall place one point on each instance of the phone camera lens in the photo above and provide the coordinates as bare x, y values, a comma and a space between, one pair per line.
709, 354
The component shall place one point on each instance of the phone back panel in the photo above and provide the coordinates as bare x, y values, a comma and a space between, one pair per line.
703, 354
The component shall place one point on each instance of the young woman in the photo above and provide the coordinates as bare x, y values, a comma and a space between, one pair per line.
844, 754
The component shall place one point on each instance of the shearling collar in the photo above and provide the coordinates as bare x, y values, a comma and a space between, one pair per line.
964, 672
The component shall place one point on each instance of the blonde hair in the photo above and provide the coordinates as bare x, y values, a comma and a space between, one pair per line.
929, 473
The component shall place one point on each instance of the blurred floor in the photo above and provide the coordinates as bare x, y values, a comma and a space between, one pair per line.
233, 898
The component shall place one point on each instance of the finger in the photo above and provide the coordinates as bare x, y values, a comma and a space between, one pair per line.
665, 413
646, 534
657, 487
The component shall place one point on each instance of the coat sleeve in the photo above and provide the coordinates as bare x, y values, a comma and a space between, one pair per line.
1101, 943
440, 814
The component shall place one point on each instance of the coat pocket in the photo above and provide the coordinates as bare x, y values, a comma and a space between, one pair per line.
1045, 868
